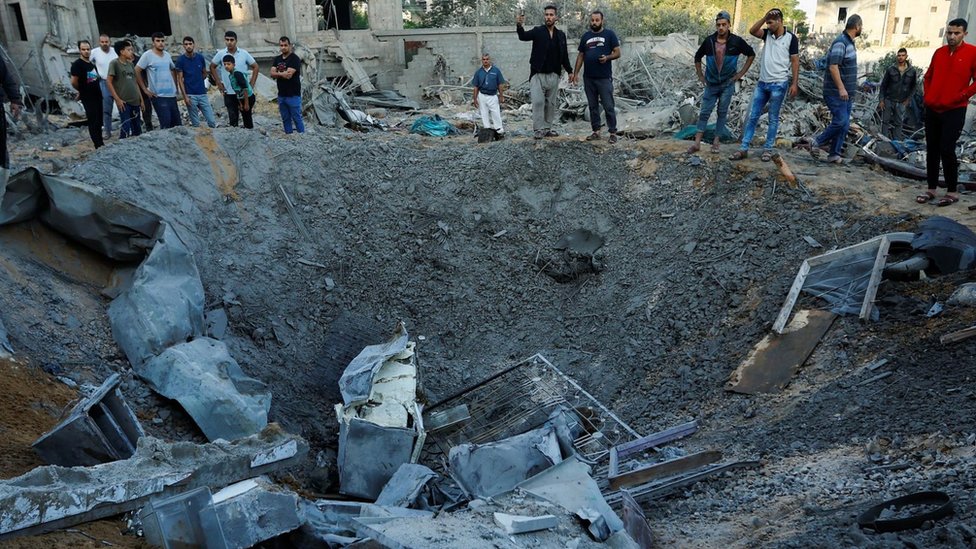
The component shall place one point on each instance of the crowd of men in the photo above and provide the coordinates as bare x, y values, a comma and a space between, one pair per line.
110, 77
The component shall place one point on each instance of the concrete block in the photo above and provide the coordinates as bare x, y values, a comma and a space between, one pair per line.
521, 524
52, 497
183, 520
100, 428
255, 510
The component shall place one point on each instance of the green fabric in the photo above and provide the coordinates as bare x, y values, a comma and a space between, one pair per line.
688, 132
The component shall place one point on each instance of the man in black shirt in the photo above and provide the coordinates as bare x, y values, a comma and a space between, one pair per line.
286, 69
550, 55
84, 78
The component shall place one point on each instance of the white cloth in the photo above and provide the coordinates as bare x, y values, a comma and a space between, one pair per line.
491, 113
101, 60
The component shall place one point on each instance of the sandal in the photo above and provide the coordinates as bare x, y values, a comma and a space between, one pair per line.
766, 156
739, 155
816, 152
925, 198
715, 149
593, 136
947, 200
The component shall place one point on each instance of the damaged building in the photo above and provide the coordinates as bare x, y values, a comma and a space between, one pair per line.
40, 37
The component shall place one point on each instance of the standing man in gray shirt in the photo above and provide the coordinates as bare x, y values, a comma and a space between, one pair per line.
779, 74
839, 87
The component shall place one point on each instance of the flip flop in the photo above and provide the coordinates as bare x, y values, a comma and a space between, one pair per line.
715, 149
738, 155
947, 200
766, 156
925, 198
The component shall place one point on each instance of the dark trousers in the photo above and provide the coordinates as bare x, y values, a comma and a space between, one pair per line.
147, 112
600, 90
942, 130
167, 111
234, 111
93, 111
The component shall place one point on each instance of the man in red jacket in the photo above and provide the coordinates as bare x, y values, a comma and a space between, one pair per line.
948, 87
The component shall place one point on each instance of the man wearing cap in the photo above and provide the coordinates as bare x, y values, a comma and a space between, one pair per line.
721, 51
839, 87
243, 62
779, 74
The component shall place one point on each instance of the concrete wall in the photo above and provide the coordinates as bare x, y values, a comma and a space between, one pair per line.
884, 20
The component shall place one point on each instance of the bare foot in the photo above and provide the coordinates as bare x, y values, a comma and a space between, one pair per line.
695, 147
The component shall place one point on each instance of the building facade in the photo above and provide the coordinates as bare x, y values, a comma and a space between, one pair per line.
888, 23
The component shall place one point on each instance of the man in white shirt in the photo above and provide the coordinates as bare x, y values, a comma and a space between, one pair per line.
161, 88
244, 63
101, 57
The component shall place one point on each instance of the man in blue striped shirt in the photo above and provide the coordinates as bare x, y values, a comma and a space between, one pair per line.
839, 87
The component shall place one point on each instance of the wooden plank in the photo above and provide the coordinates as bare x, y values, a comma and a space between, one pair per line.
773, 362
843, 252
958, 336
664, 469
879, 264
657, 439
791, 297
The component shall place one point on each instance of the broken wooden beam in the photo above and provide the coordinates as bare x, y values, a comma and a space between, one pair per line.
621, 451
957, 336
664, 469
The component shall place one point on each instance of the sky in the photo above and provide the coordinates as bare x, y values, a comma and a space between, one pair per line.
809, 6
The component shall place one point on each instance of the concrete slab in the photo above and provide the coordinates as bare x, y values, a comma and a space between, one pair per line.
255, 510
520, 524
52, 497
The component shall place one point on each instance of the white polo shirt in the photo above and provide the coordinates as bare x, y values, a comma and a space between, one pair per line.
775, 65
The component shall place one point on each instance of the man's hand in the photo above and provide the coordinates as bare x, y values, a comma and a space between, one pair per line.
794, 90
149, 93
519, 20
881, 105
572, 78
501, 99
220, 86
245, 105
603, 59
15, 109
120, 104
475, 102
843, 94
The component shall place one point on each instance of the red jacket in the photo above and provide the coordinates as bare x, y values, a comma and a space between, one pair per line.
949, 80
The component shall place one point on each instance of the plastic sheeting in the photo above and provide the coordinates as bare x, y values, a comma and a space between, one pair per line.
210, 385
163, 305
950, 245
417, 487
488, 470
843, 282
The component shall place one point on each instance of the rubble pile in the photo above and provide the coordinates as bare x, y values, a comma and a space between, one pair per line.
642, 278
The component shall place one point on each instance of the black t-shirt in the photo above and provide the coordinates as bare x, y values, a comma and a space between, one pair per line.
87, 79
289, 87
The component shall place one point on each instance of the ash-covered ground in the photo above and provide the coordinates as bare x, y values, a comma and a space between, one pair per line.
458, 240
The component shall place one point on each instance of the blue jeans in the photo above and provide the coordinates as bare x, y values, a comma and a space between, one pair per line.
716, 93
108, 103
131, 121
290, 109
600, 91
200, 104
772, 93
167, 111
840, 122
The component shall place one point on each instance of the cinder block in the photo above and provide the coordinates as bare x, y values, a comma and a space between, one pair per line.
520, 524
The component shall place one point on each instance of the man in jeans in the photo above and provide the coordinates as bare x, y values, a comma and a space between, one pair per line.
244, 63
124, 89
779, 73
839, 87
161, 88
897, 89
548, 58
101, 57
286, 69
598, 47
191, 72
721, 51
950, 82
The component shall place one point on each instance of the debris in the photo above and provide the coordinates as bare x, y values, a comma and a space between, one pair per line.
663, 469
519, 524
386, 98
964, 295
447, 418
6, 349
434, 126
490, 469
623, 451
380, 422
290, 206
635, 523
775, 359
812, 242
51, 497
906, 512
569, 485
216, 321
255, 510
581, 241
100, 428
877, 364
950, 245
202, 376
875, 378
784, 168
935, 310
183, 520
417, 487
955, 337
654, 490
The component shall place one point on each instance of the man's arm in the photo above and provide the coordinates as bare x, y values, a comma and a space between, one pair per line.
216, 77
142, 84
110, 81
523, 35
885, 82
74, 82
253, 66
795, 69
614, 54
579, 65
745, 68
699, 71
756, 28
565, 57
474, 99
835, 76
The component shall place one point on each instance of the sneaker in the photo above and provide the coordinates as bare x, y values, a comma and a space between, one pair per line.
612, 139
593, 136
539, 134
551, 133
